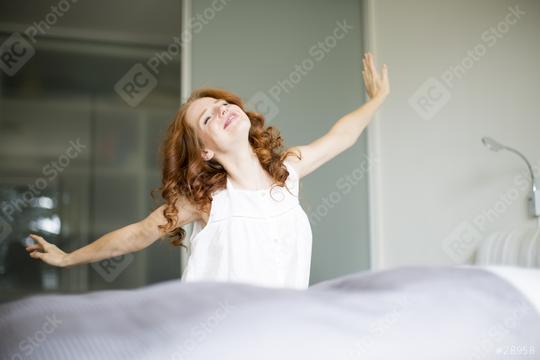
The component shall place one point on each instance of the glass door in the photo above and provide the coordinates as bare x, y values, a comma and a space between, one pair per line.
78, 146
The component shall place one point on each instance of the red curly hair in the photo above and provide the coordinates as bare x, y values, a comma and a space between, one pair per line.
186, 174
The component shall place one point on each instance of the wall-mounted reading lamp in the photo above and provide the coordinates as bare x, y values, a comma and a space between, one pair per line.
534, 199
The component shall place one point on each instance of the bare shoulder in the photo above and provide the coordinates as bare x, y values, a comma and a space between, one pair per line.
148, 229
189, 210
294, 160
187, 213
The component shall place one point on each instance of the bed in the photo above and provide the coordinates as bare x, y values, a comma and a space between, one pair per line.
410, 312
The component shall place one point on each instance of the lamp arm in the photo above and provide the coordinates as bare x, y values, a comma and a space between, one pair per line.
533, 179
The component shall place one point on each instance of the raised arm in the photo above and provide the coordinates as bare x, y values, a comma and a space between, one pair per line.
130, 238
346, 131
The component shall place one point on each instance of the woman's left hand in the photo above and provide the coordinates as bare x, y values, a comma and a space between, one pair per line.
376, 86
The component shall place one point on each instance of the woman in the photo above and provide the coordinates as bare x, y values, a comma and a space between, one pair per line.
220, 168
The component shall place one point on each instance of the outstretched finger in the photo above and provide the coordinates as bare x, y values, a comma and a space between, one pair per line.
364, 62
365, 78
368, 79
36, 254
367, 60
371, 62
39, 239
374, 68
384, 75
367, 66
371, 67
33, 247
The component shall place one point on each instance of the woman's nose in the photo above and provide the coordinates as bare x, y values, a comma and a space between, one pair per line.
223, 110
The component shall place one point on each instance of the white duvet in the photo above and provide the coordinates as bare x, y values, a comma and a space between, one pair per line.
404, 313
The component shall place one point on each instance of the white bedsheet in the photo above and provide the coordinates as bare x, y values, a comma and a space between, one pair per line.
526, 280
420, 313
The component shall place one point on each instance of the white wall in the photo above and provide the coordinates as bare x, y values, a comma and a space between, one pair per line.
435, 182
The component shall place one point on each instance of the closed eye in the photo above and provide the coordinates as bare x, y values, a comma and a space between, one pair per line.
208, 117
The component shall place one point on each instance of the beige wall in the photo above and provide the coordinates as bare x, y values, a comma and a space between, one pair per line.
436, 186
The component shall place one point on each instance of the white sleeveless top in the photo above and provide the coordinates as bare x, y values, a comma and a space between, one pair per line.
257, 237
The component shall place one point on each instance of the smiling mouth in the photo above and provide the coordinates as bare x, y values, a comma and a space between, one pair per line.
229, 120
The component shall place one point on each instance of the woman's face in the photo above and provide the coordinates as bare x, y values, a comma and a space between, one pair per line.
219, 125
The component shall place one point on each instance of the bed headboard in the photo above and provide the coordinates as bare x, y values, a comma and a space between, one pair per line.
520, 247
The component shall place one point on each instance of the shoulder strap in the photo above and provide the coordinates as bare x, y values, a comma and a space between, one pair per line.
292, 171
293, 180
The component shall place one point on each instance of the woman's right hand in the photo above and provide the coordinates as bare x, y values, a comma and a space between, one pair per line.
47, 252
